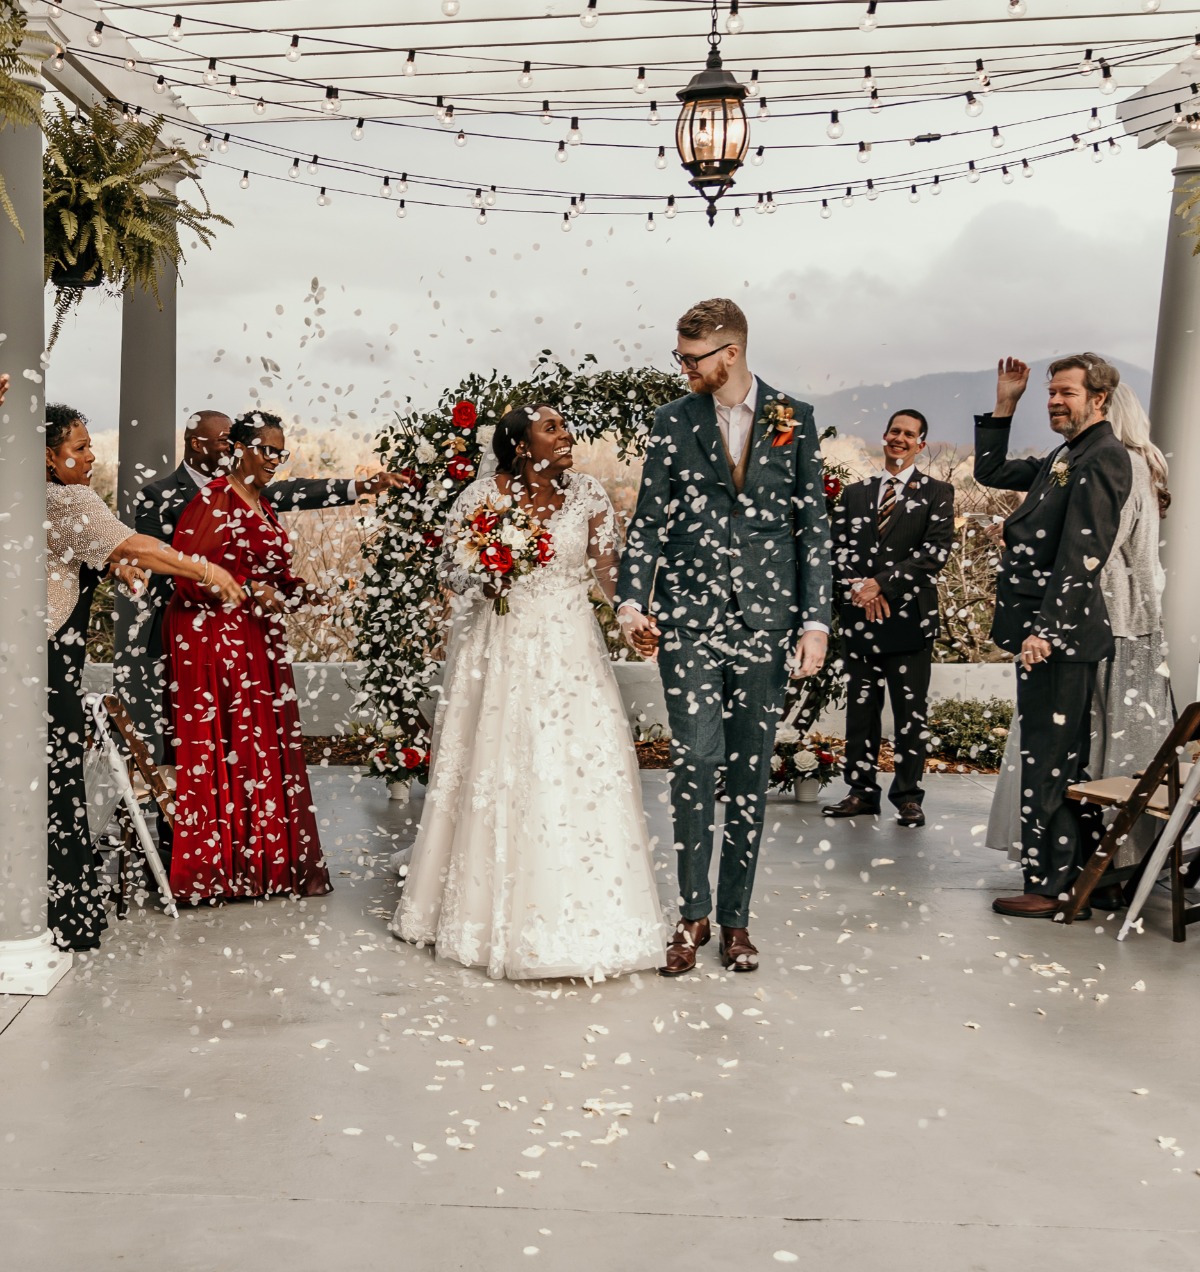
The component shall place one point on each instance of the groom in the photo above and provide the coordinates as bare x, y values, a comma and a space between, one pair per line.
727, 552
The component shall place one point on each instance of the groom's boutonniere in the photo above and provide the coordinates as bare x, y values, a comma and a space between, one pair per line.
1060, 472
782, 418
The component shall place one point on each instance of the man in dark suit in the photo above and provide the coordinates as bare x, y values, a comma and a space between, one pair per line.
1049, 606
891, 537
139, 665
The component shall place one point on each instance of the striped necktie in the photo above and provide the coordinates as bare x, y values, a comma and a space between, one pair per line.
887, 505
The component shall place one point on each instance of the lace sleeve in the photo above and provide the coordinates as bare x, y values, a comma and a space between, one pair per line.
81, 527
452, 574
602, 556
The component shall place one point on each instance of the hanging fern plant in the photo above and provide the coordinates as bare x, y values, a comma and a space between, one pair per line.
21, 54
111, 217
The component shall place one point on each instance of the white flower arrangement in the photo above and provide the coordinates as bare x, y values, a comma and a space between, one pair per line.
806, 762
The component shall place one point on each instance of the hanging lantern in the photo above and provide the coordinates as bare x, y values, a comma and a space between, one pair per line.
712, 134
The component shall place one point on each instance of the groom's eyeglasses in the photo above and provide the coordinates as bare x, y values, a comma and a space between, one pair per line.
690, 362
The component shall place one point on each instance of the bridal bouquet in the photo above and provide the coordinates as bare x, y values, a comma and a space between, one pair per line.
503, 543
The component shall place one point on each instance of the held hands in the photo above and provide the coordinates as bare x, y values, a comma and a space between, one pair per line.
869, 597
810, 655
224, 585
640, 632
129, 577
1012, 376
267, 599
1034, 650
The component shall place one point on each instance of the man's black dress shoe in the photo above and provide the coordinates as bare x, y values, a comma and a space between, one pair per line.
851, 806
910, 814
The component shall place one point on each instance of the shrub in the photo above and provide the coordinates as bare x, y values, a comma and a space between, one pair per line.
972, 729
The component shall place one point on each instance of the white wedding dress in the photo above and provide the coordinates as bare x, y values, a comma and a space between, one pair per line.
532, 858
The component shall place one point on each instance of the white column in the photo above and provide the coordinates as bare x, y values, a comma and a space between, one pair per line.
29, 962
1175, 414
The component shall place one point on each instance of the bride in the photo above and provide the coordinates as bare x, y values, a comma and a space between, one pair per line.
532, 857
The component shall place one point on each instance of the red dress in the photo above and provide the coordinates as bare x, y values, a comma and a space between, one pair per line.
245, 825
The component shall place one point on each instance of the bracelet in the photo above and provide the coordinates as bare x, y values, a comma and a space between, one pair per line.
248, 589
206, 576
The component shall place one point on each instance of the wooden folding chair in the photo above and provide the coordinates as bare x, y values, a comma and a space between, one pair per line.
1154, 793
104, 708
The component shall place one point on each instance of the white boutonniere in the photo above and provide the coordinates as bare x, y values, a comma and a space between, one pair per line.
1060, 472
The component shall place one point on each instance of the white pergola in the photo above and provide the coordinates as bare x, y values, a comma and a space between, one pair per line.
808, 58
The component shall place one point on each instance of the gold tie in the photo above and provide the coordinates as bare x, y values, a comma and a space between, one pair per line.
887, 505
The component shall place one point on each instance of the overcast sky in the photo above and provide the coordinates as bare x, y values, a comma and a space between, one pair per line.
1069, 259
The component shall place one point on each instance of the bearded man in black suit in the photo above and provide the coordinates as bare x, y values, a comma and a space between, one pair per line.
891, 537
1049, 606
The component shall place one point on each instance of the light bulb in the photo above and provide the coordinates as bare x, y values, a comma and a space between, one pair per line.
410, 63
489, 199
834, 129
761, 206
260, 107
660, 160
875, 103
59, 57
1087, 66
757, 157
1026, 169
1016, 8
670, 212
526, 76
223, 144
913, 195
1196, 49
1097, 155
160, 85
450, 8
1094, 118
206, 142
972, 172
936, 188
639, 84
566, 223
764, 110
402, 184
293, 53
868, 21
985, 82
477, 198
127, 113
332, 103
735, 24
245, 181
737, 216
1108, 85
589, 17
546, 116
447, 115
461, 139
825, 212
96, 35
481, 219
1005, 175
868, 80
864, 151
752, 87
131, 64
386, 189
294, 170
974, 106
770, 204
574, 135
581, 207
54, 10
210, 74
872, 193
313, 163
997, 138
1076, 142
401, 211
573, 210
1151, 6
561, 153
653, 115
233, 86
323, 200
848, 198
1114, 146
357, 131
650, 226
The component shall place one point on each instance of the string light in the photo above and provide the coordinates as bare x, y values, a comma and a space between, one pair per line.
448, 115
757, 157
913, 194
574, 135
997, 138
985, 80
525, 79
752, 87
1151, 6
1108, 85
869, 22
872, 193
936, 188
450, 8
131, 64
1005, 175
293, 53
482, 217
848, 198
210, 74
245, 181
59, 57
825, 212
477, 197
1114, 146
834, 129
1094, 118
386, 188
1026, 169
764, 110
260, 107
650, 226
402, 184
1087, 66
96, 35
401, 211
333, 102
660, 160
770, 204
546, 117
868, 80
489, 199
589, 17
735, 24
1196, 49
1077, 142
1097, 157
670, 212
639, 84
461, 139
875, 103
313, 164
582, 206
357, 131
652, 117
410, 63
223, 144
566, 223
206, 142
737, 218
561, 153
761, 206
1016, 8
972, 172
864, 151
176, 32
233, 86
160, 85
323, 200
294, 170
974, 106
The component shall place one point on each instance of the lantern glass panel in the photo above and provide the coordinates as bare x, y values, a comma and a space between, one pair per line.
712, 136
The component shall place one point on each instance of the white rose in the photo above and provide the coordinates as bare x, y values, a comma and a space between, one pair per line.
485, 433
513, 538
785, 735
806, 761
426, 453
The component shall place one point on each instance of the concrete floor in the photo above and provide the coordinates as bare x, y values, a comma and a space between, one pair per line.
909, 1082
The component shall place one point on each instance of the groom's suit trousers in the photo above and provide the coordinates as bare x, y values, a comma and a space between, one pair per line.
724, 688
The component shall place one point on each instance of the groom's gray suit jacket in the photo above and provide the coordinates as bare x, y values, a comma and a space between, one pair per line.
695, 543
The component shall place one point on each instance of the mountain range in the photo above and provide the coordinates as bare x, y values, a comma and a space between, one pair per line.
949, 400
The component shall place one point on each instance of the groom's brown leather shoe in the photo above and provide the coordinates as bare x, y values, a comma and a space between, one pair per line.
851, 806
737, 952
690, 934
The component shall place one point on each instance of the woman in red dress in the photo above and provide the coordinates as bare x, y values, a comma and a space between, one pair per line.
244, 819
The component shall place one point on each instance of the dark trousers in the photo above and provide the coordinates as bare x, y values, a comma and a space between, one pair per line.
906, 678
724, 691
1054, 701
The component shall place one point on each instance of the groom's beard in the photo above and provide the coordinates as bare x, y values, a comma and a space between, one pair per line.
710, 381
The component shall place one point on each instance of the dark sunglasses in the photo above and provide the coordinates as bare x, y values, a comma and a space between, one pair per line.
690, 363
271, 452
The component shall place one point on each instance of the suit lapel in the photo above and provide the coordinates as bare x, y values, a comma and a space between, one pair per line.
708, 437
761, 434
1032, 498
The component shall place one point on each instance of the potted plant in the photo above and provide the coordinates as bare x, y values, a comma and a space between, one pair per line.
21, 52
400, 760
111, 218
803, 762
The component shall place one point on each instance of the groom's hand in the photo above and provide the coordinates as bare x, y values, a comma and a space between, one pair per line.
640, 631
810, 654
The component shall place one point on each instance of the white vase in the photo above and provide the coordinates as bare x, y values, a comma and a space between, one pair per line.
806, 790
398, 792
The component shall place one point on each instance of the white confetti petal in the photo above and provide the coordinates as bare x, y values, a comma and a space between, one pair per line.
724, 1011
785, 1256
855, 1121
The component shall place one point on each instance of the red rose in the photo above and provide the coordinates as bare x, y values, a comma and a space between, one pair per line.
497, 558
381, 756
412, 478
411, 757
545, 549
824, 757
460, 468
833, 487
485, 522
464, 416
432, 539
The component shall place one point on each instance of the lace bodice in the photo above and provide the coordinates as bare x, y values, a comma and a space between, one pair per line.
584, 532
